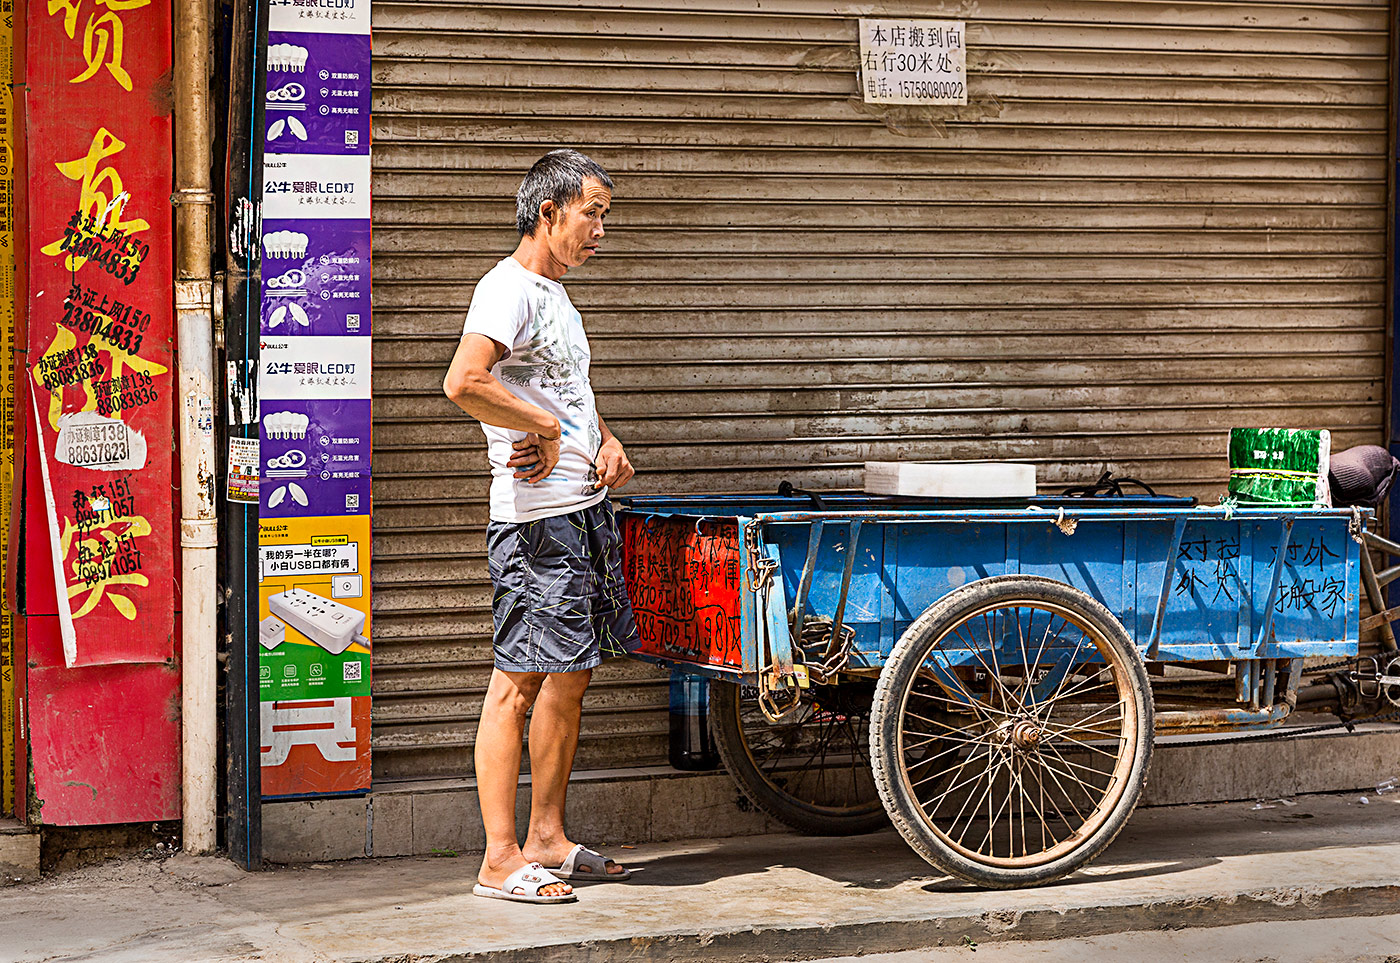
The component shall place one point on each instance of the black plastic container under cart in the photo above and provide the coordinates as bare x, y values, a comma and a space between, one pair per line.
990, 677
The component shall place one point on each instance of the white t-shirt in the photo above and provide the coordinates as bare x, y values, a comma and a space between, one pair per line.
545, 364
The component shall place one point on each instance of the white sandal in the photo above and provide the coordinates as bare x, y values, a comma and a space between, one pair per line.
597, 865
529, 880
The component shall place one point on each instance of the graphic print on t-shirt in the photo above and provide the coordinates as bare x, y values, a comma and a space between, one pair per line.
552, 363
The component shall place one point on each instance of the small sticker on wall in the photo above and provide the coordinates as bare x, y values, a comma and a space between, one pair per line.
243, 466
86, 439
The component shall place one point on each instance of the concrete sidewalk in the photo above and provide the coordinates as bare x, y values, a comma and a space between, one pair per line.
776, 897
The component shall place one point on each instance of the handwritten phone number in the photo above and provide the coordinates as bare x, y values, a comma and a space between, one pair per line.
941, 89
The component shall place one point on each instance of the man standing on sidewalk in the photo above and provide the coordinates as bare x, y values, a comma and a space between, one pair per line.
559, 604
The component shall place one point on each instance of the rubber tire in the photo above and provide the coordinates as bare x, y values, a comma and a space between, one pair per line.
899, 669
801, 816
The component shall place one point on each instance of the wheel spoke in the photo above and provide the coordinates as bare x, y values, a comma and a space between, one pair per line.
930, 737
990, 839
972, 702
1079, 690
1079, 783
971, 757
990, 775
936, 722
1046, 767
1099, 712
1078, 765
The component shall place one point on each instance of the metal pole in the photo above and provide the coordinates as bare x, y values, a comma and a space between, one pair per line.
194, 200
242, 313
1392, 299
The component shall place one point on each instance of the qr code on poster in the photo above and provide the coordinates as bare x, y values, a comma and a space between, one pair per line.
352, 138
351, 671
352, 500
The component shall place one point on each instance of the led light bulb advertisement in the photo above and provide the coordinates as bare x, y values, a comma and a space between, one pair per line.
314, 401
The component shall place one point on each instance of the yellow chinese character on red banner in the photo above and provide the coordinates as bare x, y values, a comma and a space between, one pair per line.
102, 38
102, 210
107, 559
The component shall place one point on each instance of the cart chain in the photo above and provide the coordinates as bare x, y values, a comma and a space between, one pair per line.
762, 571
817, 636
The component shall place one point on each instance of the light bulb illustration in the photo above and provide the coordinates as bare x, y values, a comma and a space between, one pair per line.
286, 58
285, 244
286, 424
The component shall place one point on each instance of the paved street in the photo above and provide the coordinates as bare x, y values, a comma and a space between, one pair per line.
1202, 872
1374, 939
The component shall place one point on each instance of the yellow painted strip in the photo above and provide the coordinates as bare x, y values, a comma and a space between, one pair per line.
7, 404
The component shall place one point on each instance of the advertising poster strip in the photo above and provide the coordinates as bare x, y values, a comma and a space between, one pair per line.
7, 399
100, 319
314, 607
314, 390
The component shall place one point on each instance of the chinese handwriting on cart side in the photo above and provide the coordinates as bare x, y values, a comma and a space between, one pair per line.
1211, 566
684, 590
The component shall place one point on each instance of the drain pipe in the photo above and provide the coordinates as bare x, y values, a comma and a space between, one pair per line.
194, 299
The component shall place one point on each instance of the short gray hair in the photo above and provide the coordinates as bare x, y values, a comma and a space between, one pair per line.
557, 176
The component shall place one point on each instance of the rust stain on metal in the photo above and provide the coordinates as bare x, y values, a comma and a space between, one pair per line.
206, 490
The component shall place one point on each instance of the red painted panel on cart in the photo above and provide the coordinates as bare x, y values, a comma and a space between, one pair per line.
100, 320
684, 587
104, 740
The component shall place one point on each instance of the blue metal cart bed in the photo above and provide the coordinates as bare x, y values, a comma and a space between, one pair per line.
989, 677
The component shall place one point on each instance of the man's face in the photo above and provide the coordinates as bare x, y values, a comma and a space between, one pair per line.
575, 231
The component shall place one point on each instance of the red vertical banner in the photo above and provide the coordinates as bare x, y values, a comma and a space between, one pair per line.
100, 363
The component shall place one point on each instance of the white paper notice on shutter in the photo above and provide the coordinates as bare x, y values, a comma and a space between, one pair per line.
913, 61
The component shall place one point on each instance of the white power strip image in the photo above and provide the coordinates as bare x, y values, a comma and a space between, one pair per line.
272, 632
332, 626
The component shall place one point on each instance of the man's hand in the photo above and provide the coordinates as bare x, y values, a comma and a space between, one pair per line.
534, 457
614, 470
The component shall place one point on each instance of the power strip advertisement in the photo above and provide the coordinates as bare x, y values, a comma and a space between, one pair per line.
314, 402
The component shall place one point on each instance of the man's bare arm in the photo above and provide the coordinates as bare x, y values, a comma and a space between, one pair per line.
471, 387
613, 465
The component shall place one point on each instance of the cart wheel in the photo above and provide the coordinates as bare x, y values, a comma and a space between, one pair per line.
1049, 760
811, 770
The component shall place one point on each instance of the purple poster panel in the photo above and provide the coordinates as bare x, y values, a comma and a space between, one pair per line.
315, 277
317, 93
314, 400
316, 457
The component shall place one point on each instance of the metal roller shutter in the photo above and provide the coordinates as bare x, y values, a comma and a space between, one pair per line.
1153, 221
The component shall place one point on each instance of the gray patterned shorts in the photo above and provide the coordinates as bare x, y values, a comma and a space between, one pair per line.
559, 603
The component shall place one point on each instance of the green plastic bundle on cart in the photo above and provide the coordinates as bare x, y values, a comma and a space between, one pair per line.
1280, 466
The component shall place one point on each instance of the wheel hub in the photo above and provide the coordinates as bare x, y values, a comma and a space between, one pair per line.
1023, 734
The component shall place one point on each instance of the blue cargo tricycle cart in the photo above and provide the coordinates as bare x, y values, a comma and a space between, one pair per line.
989, 677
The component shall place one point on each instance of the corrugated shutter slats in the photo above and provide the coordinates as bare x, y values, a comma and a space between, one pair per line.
1152, 222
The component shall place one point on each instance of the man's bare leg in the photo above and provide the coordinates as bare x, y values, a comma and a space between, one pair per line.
498, 735
553, 742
